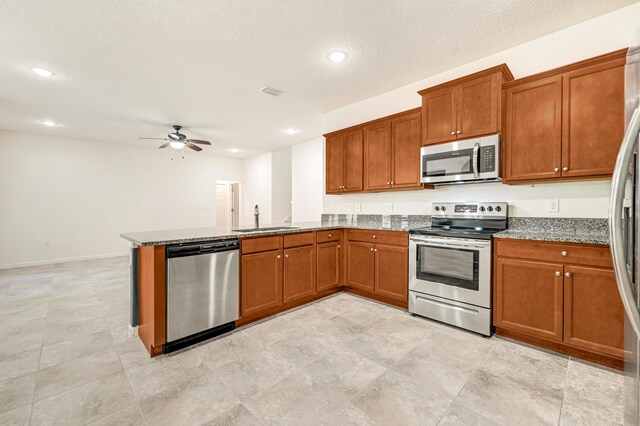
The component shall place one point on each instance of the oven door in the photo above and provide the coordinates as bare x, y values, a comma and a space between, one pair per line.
453, 268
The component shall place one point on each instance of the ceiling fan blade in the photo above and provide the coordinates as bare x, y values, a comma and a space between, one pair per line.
159, 139
164, 145
199, 141
194, 147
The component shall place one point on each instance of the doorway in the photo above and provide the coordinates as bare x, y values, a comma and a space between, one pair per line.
227, 204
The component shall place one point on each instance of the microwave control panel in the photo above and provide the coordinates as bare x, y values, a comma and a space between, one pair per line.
487, 159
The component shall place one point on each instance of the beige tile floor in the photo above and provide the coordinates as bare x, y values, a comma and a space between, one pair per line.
66, 359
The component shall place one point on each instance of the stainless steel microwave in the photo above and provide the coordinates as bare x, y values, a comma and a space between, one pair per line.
465, 161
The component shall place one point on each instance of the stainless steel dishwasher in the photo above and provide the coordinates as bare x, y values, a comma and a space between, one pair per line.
202, 291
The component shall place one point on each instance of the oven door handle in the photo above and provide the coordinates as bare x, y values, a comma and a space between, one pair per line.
452, 246
476, 149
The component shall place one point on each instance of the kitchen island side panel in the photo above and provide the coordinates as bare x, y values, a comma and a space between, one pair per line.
152, 297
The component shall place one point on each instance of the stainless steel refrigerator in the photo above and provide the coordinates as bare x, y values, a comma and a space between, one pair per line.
623, 230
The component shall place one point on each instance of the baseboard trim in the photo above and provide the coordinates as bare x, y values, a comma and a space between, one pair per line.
62, 260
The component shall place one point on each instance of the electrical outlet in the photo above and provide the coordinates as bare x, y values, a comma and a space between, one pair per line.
553, 205
358, 208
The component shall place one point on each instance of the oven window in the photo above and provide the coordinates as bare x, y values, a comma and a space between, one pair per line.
449, 266
448, 163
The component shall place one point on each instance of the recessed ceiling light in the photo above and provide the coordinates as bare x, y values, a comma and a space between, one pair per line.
48, 123
234, 150
42, 72
337, 56
290, 131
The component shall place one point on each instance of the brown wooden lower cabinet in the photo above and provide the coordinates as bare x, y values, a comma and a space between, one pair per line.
528, 297
299, 273
567, 307
392, 271
593, 314
261, 283
360, 263
328, 261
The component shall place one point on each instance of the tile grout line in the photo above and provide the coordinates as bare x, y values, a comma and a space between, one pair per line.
493, 343
564, 388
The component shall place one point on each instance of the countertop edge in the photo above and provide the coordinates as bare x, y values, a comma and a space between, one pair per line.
554, 237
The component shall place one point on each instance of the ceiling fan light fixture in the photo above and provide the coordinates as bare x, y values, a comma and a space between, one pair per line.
177, 145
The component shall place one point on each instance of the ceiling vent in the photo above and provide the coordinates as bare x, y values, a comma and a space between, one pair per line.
271, 91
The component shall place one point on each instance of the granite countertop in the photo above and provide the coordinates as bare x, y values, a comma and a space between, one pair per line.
562, 237
564, 230
194, 235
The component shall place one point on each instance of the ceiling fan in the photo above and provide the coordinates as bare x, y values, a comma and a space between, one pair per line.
179, 140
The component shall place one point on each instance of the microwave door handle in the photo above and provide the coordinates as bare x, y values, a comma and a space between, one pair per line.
476, 149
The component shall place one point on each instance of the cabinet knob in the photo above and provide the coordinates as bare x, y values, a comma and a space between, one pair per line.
388, 183
375, 250
392, 183
453, 133
374, 236
556, 169
565, 169
371, 249
329, 235
279, 256
338, 245
564, 253
458, 132
286, 255
558, 273
567, 274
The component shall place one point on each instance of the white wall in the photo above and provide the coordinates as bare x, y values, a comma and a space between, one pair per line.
578, 199
307, 180
256, 189
80, 195
281, 186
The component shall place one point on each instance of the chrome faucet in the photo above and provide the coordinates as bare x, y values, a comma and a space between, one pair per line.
256, 214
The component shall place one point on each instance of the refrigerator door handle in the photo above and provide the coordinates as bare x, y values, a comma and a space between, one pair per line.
618, 183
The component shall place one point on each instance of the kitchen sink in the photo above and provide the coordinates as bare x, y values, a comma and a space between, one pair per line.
272, 228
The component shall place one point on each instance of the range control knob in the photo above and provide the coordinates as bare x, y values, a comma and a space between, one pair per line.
443, 208
482, 208
498, 208
490, 208
437, 208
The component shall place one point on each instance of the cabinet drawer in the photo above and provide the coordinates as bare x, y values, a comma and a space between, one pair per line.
578, 254
255, 245
326, 236
296, 240
374, 236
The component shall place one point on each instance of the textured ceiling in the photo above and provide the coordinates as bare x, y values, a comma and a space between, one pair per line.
131, 68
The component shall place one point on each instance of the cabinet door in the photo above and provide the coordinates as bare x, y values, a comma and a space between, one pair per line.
478, 102
439, 116
406, 137
353, 161
534, 130
335, 164
377, 156
327, 266
392, 271
593, 119
593, 311
528, 297
261, 284
299, 273
360, 262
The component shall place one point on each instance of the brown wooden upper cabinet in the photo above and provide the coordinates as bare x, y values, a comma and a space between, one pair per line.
392, 152
565, 123
463, 108
379, 155
344, 161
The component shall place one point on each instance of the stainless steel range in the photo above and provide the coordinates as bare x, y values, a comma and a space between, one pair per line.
450, 264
